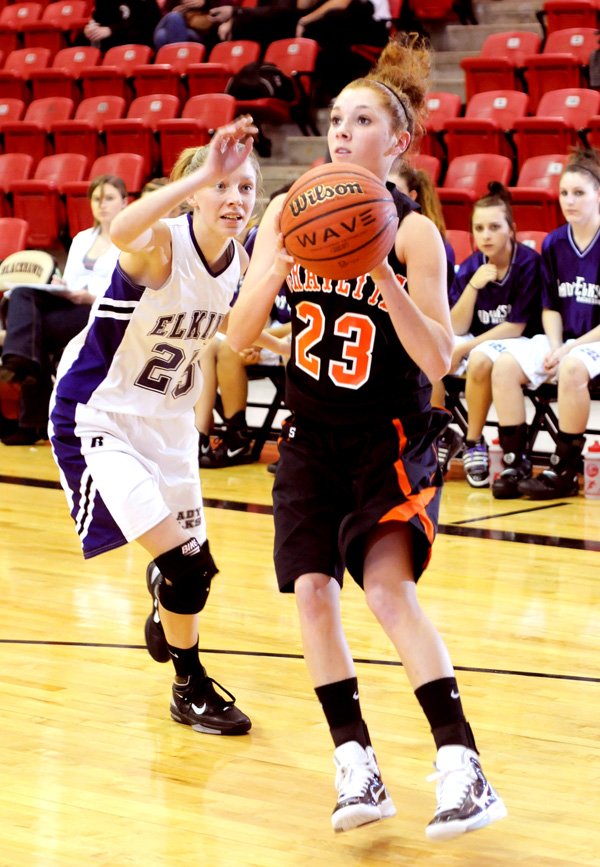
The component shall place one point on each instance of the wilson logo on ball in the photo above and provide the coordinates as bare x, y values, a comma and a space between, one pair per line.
339, 221
320, 193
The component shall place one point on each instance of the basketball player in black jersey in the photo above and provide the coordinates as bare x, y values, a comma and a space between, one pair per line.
358, 484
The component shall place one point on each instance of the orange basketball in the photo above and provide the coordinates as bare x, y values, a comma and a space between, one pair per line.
339, 221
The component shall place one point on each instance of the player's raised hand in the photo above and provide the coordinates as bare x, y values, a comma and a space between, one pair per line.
230, 146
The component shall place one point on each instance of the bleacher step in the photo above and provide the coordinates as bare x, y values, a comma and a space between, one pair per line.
514, 12
470, 38
304, 149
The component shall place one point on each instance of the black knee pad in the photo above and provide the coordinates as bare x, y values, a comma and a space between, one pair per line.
190, 569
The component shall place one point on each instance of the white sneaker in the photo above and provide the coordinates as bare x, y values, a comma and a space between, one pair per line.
362, 797
466, 801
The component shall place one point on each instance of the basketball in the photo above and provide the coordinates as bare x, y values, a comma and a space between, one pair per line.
339, 221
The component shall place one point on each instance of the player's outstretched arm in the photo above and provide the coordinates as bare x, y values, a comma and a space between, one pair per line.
269, 266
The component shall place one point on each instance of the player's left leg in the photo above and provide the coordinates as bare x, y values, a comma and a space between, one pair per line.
465, 799
180, 577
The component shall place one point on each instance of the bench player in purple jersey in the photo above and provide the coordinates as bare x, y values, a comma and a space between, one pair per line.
495, 295
568, 352
122, 421
358, 483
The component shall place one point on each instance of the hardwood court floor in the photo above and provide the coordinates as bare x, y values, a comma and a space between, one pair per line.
94, 771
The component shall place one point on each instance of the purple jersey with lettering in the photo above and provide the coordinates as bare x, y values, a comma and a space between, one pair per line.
515, 298
570, 281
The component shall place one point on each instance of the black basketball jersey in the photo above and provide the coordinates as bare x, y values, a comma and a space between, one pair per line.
347, 364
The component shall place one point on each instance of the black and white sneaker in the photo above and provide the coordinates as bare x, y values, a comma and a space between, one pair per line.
466, 801
450, 444
196, 703
153, 630
232, 450
362, 797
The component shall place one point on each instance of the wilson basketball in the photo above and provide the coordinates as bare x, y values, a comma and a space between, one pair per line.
339, 221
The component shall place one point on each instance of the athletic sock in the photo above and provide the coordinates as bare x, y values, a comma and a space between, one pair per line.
186, 661
341, 707
441, 704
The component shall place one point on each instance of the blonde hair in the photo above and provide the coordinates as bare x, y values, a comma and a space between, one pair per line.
400, 79
191, 159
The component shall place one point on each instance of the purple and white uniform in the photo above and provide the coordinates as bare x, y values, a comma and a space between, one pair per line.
122, 420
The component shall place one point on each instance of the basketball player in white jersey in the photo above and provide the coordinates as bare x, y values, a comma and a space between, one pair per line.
122, 419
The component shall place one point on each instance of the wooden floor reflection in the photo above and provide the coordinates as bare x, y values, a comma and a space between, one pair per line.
95, 772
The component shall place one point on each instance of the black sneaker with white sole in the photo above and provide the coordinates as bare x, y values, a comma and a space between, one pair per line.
153, 630
465, 799
196, 703
362, 796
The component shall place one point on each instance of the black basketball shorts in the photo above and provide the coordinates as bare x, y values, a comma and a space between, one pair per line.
334, 485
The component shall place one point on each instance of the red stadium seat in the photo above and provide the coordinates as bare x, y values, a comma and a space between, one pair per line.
207, 78
62, 77
12, 20
535, 196
12, 167
32, 134
168, 72
563, 62
113, 74
441, 107
466, 181
136, 132
532, 239
130, 167
297, 59
58, 26
487, 125
558, 125
200, 116
461, 242
592, 134
39, 200
427, 163
561, 14
83, 134
11, 109
499, 64
13, 235
18, 68
235, 53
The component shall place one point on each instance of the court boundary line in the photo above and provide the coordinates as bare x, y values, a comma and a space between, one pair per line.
576, 678
456, 528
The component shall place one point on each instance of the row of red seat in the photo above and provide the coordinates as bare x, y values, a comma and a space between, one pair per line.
534, 195
34, 24
513, 61
126, 71
52, 194
498, 122
154, 126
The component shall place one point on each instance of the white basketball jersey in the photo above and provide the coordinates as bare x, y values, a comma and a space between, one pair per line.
139, 352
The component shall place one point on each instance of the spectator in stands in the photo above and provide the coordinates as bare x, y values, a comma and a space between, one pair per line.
188, 21
264, 23
41, 323
120, 22
337, 25
494, 296
417, 185
568, 352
